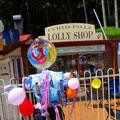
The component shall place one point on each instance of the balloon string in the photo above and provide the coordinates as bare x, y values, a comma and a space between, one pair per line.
30, 81
24, 83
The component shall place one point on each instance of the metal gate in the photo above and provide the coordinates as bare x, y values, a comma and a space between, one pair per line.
91, 103
97, 104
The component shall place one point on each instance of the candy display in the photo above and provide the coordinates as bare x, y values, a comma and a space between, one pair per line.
41, 53
48, 88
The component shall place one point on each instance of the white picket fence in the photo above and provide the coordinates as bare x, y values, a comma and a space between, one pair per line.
107, 95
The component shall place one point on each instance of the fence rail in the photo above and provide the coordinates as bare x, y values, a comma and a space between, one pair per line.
91, 103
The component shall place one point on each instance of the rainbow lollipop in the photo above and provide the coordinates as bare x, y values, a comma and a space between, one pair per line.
41, 53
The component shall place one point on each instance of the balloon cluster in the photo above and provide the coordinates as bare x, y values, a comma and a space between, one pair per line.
16, 96
73, 84
41, 53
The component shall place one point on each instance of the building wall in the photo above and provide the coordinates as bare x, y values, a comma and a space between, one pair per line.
108, 58
16, 52
25, 60
6, 70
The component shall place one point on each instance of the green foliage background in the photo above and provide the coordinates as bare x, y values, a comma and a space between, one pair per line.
38, 14
111, 32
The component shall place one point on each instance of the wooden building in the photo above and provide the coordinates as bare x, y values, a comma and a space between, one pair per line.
78, 48
11, 59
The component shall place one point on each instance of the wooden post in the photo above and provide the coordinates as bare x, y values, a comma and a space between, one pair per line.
78, 67
114, 45
72, 64
1, 42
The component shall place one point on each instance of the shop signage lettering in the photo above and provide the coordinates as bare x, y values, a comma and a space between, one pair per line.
59, 36
4, 74
69, 26
4, 71
83, 35
71, 32
67, 35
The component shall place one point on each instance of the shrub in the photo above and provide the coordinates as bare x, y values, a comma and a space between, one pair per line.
111, 32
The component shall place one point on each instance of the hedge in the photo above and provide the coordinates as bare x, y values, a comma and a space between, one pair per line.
111, 32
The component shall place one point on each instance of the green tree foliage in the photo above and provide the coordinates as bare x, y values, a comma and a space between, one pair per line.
111, 32
38, 14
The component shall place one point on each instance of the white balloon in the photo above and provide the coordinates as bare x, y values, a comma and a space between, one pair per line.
73, 83
16, 96
1, 26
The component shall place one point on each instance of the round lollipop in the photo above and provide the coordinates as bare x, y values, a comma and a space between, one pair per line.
96, 83
41, 53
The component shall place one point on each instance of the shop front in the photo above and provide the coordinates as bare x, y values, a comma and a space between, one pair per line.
80, 48
80, 58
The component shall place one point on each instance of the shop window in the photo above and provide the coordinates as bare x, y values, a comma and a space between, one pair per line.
92, 62
79, 63
18, 67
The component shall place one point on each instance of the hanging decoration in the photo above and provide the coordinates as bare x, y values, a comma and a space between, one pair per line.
47, 86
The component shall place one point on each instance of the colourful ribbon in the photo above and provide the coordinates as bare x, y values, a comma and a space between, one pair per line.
56, 110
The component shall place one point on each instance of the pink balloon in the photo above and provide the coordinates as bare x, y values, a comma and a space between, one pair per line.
73, 83
16, 96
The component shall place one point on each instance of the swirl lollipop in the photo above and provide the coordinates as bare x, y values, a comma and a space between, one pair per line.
41, 53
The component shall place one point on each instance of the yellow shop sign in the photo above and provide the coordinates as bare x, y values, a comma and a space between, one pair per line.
71, 32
